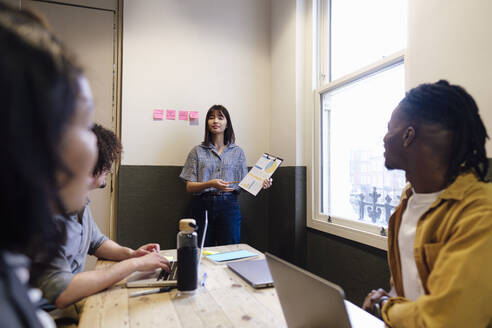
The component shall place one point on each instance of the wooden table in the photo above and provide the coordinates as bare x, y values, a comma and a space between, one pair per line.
225, 301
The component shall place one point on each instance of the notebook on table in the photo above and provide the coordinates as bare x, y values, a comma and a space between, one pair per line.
231, 256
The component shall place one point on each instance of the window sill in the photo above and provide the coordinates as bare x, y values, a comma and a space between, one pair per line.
360, 236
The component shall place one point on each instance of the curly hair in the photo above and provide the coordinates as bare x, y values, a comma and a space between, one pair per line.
109, 149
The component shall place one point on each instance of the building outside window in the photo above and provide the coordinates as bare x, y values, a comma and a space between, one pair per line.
362, 80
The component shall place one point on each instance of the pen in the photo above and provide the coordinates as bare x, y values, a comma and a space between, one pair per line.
204, 278
151, 291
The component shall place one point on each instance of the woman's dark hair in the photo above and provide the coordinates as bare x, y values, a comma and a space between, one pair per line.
229, 137
454, 109
108, 148
38, 94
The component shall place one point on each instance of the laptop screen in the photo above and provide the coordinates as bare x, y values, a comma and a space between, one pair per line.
307, 300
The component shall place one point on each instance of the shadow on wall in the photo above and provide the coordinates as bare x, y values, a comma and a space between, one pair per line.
151, 201
489, 173
355, 267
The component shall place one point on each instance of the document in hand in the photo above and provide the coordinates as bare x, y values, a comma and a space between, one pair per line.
263, 169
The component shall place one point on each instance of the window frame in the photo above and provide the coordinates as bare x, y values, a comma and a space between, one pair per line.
365, 233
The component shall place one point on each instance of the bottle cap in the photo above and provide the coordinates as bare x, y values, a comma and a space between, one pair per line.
187, 225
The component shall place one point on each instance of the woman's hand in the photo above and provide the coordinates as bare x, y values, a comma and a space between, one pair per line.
221, 185
267, 183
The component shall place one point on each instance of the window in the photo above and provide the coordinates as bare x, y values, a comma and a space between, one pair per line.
362, 81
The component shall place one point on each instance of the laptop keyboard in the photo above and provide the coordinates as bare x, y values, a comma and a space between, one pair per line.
172, 274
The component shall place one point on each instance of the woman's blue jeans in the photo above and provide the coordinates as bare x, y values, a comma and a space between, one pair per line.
224, 218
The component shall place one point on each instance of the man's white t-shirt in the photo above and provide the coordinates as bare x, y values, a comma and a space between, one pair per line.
417, 205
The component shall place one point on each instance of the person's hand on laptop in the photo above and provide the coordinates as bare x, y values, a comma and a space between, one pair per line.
146, 249
375, 300
151, 262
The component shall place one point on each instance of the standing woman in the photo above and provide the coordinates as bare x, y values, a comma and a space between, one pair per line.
212, 173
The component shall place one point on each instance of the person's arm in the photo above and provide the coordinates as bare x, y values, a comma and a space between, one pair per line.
90, 282
110, 250
218, 184
189, 173
376, 299
459, 283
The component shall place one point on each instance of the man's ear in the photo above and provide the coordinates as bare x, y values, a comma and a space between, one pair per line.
408, 136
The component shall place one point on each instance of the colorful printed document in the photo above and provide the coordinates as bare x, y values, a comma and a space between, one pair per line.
263, 169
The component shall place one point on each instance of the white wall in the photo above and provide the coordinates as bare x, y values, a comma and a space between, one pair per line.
248, 55
191, 54
452, 39
283, 59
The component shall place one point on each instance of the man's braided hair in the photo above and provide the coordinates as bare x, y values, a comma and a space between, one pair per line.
454, 109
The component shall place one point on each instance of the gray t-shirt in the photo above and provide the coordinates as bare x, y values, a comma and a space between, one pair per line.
82, 238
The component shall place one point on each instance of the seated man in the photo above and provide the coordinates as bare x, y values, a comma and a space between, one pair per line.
440, 236
65, 283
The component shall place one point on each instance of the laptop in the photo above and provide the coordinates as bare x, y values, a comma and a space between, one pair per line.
159, 277
255, 272
307, 300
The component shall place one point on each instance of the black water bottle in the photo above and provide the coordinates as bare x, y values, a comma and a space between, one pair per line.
187, 256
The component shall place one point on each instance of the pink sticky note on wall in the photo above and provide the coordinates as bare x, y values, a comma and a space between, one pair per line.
158, 114
183, 115
170, 114
194, 115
